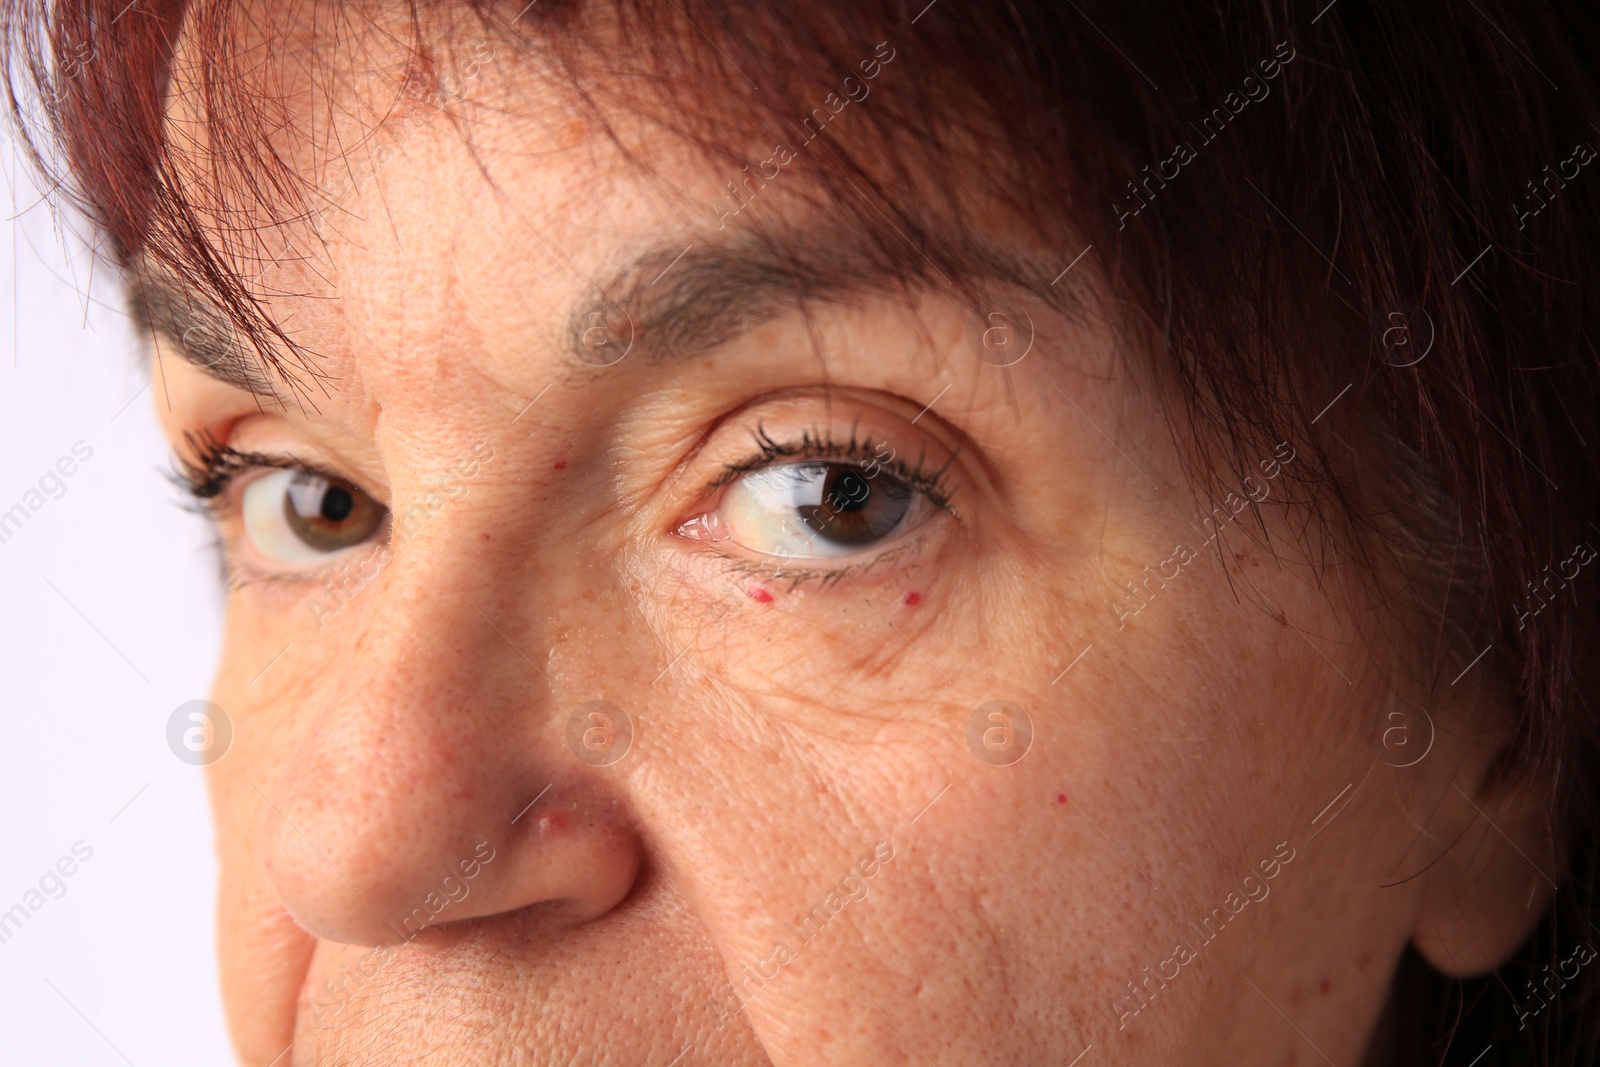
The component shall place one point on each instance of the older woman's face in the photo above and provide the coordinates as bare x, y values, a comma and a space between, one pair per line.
727, 687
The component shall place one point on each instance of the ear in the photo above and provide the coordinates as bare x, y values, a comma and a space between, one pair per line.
1484, 896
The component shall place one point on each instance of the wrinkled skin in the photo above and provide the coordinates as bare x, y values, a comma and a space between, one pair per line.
799, 740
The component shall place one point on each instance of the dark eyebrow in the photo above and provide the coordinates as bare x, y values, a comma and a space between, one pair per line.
198, 329
679, 300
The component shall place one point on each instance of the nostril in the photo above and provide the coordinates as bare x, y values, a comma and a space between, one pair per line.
445, 901
527, 925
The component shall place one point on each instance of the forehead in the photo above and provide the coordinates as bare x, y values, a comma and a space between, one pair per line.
450, 196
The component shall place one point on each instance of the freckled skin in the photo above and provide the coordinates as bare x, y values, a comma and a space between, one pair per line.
812, 756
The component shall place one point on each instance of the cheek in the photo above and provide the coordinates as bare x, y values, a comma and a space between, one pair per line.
822, 651
599, 633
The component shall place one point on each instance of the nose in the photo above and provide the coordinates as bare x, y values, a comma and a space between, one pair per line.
433, 784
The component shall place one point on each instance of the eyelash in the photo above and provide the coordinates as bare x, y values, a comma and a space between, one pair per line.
206, 478
863, 451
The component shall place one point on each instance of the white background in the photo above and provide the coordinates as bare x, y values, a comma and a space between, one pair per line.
119, 971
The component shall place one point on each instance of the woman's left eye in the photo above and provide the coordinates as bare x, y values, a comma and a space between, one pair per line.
814, 510
298, 516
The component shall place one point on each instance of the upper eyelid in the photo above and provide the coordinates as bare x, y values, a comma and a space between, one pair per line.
862, 453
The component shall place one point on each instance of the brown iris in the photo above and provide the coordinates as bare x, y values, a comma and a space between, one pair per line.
855, 508
329, 514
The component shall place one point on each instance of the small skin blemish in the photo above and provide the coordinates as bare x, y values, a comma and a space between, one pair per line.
561, 464
553, 822
759, 592
911, 599
1061, 798
1324, 987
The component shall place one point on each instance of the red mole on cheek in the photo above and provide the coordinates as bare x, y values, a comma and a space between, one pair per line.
561, 464
911, 599
758, 591
1061, 798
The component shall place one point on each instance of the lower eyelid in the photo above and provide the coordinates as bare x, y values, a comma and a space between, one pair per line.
851, 568
320, 583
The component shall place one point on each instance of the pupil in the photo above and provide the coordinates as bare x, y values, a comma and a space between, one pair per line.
848, 492
337, 504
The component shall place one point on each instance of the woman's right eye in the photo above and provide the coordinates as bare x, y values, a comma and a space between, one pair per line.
296, 515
